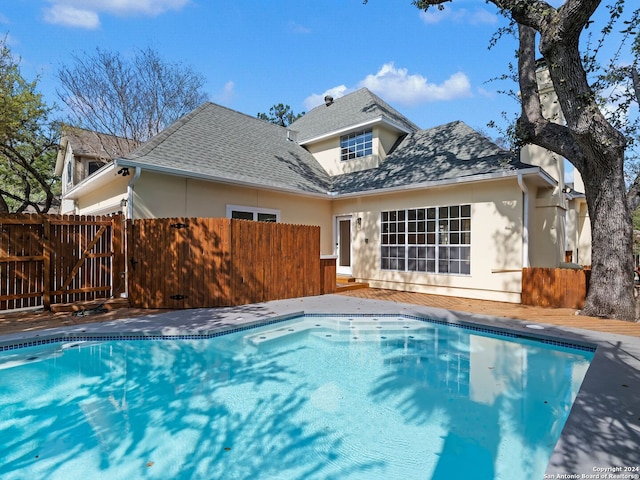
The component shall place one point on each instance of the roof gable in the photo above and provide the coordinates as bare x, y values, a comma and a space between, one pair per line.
357, 108
448, 152
214, 142
88, 143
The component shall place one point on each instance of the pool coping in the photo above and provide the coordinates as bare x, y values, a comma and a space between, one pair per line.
601, 435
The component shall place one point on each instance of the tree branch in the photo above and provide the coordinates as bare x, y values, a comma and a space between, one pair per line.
532, 126
635, 77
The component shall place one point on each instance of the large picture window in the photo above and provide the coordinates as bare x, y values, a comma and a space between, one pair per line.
431, 240
356, 145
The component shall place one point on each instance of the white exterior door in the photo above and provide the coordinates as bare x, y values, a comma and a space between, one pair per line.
343, 245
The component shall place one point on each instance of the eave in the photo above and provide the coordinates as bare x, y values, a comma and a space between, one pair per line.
381, 120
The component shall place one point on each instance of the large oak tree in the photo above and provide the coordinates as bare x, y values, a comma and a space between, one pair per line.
588, 140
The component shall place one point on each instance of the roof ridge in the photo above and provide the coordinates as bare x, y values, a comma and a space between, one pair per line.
388, 106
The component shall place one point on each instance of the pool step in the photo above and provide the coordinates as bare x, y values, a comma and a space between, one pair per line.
344, 283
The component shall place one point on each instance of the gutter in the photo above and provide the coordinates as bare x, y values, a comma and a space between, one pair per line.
534, 171
525, 222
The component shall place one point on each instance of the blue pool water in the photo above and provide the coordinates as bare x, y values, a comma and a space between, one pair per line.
309, 398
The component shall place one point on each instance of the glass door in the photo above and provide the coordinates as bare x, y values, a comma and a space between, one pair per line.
343, 245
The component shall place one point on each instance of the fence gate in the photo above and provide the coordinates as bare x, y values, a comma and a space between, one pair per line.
48, 259
178, 262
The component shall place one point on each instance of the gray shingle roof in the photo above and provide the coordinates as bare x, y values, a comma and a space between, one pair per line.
447, 152
88, 143
220, 144
216, 142
356, 108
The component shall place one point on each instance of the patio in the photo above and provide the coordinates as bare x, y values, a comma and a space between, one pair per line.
27, 321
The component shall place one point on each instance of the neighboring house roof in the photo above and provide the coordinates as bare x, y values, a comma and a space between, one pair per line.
453, 151
92, 145
87, 143
358, 108
216, 143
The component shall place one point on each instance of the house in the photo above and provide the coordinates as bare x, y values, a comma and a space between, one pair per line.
442, 210
83, 152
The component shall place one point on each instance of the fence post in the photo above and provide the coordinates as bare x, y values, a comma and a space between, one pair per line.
46, 253
118, 259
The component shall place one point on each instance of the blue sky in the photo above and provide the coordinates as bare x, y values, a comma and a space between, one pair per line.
434, 67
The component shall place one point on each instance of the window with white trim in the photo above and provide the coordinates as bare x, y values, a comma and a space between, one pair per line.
253, 213
356, 144
430, 240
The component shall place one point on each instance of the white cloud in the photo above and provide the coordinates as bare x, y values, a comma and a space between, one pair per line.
297, 28
396, 85
476, 17
77, 13
227, 94
71, 17
315, 99
486, 93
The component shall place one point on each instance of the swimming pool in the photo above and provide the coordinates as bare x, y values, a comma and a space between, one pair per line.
312, 397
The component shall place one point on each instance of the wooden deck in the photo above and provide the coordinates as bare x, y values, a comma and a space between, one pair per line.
555, 316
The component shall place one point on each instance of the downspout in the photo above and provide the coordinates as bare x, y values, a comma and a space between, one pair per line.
130, 186
525, 222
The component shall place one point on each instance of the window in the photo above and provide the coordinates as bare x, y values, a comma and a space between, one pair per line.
356, 145
432, 240
69, 172
253, 213
93, 167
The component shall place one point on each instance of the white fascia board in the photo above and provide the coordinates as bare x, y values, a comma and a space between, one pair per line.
358, 126
213, 178
100, 178
108, 173
535, 173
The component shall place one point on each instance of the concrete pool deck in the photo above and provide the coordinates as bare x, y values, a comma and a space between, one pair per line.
601, 436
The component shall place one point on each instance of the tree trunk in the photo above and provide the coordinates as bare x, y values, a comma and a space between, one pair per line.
601, 164
611, 286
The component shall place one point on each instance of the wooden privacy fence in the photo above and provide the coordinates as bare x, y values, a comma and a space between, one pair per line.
209, 262
47, 259
555, 287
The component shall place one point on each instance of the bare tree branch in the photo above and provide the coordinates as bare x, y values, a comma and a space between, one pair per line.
133, 99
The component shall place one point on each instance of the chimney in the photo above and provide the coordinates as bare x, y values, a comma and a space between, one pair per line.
328, 100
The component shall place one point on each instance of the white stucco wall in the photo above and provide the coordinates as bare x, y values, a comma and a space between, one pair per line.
103, 200
327, 152
496, 225
161, 196
496, 240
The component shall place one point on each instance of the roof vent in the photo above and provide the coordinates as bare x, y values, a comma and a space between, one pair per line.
328, 100
292, 135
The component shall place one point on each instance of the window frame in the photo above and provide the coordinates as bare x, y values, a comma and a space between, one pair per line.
255, 211
434, 240
358, 144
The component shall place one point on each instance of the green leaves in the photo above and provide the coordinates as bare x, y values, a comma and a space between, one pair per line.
280, 114
28, 141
